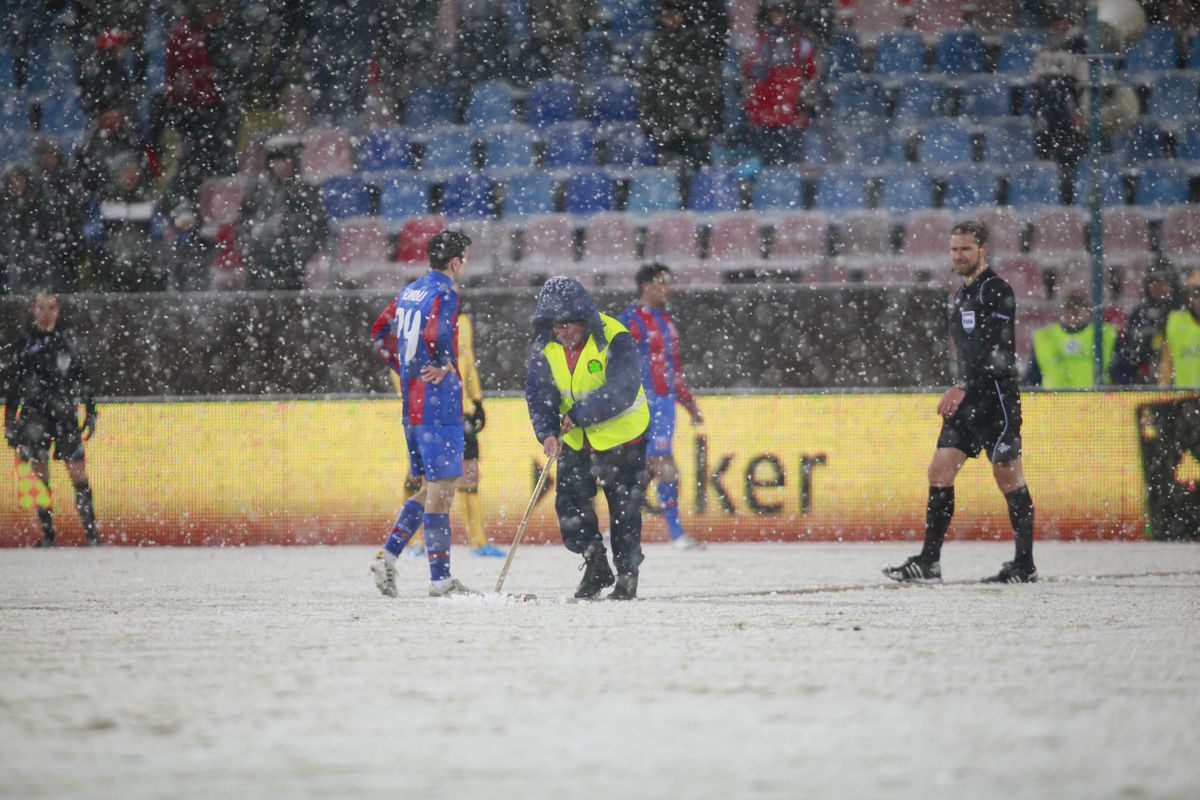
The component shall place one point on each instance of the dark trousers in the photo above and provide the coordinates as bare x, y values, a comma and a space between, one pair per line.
621, 472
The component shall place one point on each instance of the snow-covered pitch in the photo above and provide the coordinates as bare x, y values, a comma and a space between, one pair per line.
283, 673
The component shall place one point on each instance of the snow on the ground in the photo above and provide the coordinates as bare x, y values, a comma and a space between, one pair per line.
282, 673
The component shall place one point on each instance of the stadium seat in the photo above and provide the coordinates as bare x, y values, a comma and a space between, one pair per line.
1194, 52
220, 202
61, 113
386, 150
986, 96
327, 152
1181, 235
588, 192
1126, 232
1161, 184
927, 238
597, 55
548, 246
673, 239
1034, 183
858, 97
528, 193
1112, 183
1018, 51
1059, 233
510, 147
845, 54
907, 188
467, 195
1145, 141
841, 189
1175, 95
920, 98
491, 245
491, 104
551, 101
799, 242
429, 107
960, 53
1008, 141
887, 144
450, 148
402, 196
714, 189
1187, 140
1005, 230
735, 241
612, 100
14, 147
969, 186
362, 246
900, 53
569, 144
346, 196
778, 188
51, 69
626, 145
653, 190
947, 141
864, 237
1154, 51
412, 243
610, 245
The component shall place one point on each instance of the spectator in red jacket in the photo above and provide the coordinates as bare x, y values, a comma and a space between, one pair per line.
778, 69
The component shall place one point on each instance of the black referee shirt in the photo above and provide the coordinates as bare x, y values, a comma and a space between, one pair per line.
982, 325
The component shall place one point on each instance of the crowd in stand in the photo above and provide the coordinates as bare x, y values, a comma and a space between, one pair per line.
292, 145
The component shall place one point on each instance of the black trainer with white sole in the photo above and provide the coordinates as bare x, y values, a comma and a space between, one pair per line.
914, 570
1012, 572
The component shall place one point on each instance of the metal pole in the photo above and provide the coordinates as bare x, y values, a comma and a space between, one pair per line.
1095, 195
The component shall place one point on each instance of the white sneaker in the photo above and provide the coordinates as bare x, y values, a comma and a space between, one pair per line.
385, 575
685, 542
451, 588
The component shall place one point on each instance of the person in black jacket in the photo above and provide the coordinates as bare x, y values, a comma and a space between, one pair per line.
45, 384
981, 411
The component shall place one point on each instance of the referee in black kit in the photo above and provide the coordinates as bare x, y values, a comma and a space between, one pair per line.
982, 411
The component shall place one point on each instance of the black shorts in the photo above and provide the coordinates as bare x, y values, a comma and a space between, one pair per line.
37, 432
988, 419
470, 444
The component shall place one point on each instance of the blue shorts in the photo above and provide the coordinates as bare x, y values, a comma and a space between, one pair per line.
435, 452
662, 426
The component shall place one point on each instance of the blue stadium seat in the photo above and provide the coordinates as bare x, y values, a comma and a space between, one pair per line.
1174, 95
1194, 52
986, 96
886, 145
652, 190
960, 53
491, 104
467, 195
569, 144
429, 107
1153, 52
527, 193
14, 147
509, 147
62, 113
969, 186
449, 149
14, 115
821, 142
346, 196
1145, 141
386, 150
1112, 182
858, 96
845, 54
841, 189
597, 55
613, 100
778, 188
714, 190
8, 80
403, 196
1018, 51
1034, 183
947, 141
1187, 140
920, 98
51, 70
551, 101
1009, 141
907, 188
900, 53
588, 192
1161, 185
626, 145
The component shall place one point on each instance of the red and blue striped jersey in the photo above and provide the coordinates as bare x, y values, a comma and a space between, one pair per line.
658, 342
420, 329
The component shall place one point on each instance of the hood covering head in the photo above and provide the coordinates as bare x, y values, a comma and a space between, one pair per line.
565, 299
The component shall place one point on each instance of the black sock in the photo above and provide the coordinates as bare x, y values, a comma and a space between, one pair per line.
1020, 514
46, 516
83, 504
937, 520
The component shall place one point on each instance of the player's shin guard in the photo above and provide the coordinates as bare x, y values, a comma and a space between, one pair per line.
86, 509
938, 513
668, 496
437, 545
1020, 514
406, 525
473, 517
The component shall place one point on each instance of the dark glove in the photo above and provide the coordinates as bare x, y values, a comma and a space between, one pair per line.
89, 424
479, 419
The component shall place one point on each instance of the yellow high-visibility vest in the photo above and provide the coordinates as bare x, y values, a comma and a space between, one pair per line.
1183, 340
1065, 359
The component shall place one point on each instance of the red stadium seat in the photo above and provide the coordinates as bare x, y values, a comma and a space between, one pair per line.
927, 238
798, 243
610, 248
1004, 230
327, 152
412, 244
735, 241
220, 202
491, 247
549, 246
1181, 235
1126, 232
362, 246
1059, 233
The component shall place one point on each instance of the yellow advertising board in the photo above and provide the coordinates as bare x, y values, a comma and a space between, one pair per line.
763, 467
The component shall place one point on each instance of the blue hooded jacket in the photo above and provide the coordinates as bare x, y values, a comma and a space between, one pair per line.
562, 299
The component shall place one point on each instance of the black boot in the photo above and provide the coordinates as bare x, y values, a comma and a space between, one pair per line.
626, 588
596, 572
